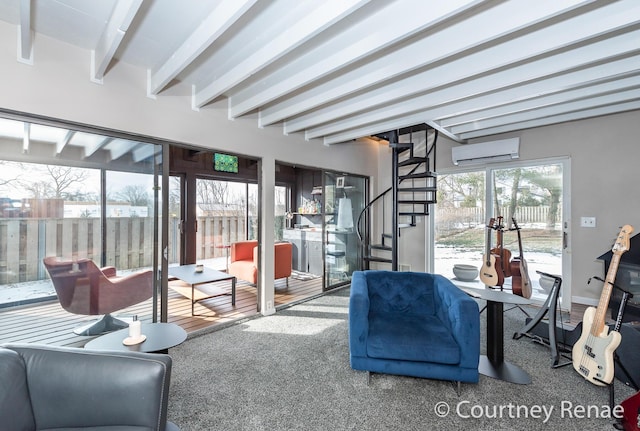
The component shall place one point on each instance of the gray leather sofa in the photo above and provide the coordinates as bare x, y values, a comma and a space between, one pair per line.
56, 388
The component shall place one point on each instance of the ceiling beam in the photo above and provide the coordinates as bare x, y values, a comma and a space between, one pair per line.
144, 152
489, 27
362, 39
214, 25
119, 147
112, 36
308, 26
26, 137
447, 101
548, 111
584, 93
89, 142
25, 35
571, 116
372, 129
398, 96
61, 143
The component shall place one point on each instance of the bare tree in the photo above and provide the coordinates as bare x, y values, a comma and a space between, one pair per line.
59, 184
7, 181
212, 192
136, 195
174, 196
64, 178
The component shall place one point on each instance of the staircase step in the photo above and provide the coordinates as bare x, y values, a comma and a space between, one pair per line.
400, 226
415, 202
377, 259
417, 175
416, 189
380, 247
414, 161
414, 213
401, 145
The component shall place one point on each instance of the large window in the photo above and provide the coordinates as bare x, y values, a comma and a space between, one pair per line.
533, 196
460, 221
73, 195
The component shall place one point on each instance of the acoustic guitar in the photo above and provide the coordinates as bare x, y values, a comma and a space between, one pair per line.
520, 281
592, 354
499, 250
491, 271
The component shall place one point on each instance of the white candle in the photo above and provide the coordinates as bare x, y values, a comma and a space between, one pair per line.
135, 328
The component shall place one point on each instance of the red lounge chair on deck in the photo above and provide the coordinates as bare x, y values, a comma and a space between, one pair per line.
83, 288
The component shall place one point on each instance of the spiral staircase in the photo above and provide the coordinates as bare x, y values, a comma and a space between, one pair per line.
412, 191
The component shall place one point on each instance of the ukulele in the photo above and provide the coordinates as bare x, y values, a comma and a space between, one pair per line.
505, 255
491, 272
592, 354
520, 281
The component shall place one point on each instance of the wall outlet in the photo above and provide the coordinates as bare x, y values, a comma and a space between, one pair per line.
587, 222
269, 305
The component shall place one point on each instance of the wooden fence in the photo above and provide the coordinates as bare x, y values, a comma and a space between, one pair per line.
129, 242
454, 219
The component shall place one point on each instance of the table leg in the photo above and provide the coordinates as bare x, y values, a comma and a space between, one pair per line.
193, 302
233, 291
495, 331
493, 364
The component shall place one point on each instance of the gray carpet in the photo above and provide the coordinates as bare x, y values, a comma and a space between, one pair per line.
290, 371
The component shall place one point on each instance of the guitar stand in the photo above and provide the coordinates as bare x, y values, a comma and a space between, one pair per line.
550, 306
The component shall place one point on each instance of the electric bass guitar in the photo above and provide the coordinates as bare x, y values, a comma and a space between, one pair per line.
491, 272
592, 354
520, 281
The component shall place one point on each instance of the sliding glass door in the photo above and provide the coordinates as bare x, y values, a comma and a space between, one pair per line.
96, 199
526, 201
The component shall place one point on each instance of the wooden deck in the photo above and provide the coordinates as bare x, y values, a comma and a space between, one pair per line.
48, 323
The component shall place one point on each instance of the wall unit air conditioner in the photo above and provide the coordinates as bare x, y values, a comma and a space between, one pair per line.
486, 152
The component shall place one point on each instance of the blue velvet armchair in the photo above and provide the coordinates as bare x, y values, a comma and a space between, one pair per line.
413, 324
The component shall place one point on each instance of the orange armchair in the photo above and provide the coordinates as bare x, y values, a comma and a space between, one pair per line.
244, 260
89, 290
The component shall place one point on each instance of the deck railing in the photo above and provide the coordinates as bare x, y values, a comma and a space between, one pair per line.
24, 242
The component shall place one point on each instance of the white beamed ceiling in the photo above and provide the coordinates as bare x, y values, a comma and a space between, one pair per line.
340, 70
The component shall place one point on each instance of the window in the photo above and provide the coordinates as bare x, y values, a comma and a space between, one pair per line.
533, 195
95, 199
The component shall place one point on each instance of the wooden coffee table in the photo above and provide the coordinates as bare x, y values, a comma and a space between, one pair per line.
160, 338
195, 283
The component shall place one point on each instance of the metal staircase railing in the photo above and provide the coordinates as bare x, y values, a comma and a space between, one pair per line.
409, 201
